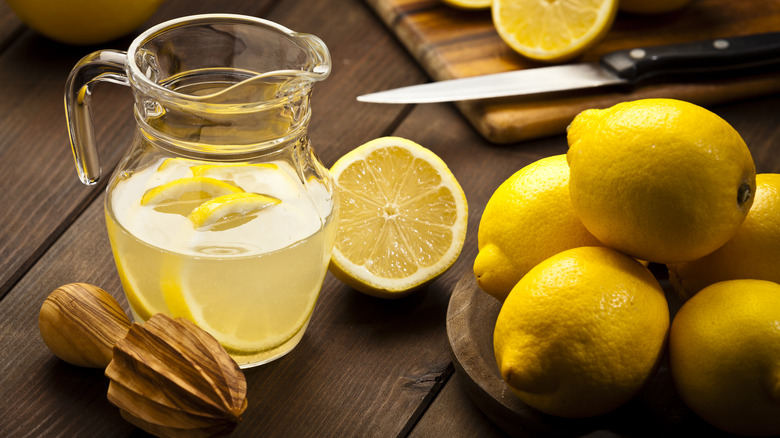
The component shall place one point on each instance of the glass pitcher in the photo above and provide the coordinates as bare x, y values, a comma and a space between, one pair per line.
219, 212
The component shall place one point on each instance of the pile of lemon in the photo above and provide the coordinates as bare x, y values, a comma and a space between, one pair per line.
559, 30
565, 243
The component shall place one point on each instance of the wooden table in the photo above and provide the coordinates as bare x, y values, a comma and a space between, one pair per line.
366, 367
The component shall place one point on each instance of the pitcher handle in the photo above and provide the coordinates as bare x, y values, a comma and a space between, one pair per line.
103, 65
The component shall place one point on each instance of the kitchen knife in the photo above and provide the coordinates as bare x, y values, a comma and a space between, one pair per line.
623, 67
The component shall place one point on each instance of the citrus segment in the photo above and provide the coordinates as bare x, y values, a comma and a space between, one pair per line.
230, 210
403, 217
553, 30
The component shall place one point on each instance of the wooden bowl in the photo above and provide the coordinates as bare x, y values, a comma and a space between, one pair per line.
471, 316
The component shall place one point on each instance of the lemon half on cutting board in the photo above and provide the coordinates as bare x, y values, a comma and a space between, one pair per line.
402, 217
553, 30
469, 4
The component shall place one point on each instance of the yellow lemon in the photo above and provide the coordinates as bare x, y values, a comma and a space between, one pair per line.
753, 252
230, 210
662, 180
527, 219
553, 31
582, 332
402, 217
469, 4
84, 21
652, 6
724, 356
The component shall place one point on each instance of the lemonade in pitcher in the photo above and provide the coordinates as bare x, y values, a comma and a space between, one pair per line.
232, 247
220, 212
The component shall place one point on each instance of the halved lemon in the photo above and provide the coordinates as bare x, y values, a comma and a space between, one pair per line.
553, 30
230, 210
469, 4
402, 217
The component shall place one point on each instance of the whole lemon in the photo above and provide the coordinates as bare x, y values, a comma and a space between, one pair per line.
527, 219
651, 6
84, 21
582, 332
724, 356
662, 180
753, 252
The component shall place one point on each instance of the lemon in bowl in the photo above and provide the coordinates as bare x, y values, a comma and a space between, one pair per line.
582, 332
536, 198
84, 22
724, 356
753, 252
662, 180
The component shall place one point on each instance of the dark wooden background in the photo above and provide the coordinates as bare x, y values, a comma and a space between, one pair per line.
366, 366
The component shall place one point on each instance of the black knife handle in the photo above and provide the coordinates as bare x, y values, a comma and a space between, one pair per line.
720, 54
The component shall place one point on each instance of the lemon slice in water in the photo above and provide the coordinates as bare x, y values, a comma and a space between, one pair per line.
177, 161
182, 195
239, 318
228, 170
230, 210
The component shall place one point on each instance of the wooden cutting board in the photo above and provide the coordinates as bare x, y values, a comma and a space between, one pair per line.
451, 43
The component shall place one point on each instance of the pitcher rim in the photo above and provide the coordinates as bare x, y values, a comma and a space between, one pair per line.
135, 73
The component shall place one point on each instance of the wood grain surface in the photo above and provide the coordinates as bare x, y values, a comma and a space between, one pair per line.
450, 43
366, 367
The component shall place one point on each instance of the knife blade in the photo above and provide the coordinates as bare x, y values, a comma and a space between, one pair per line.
623, 67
